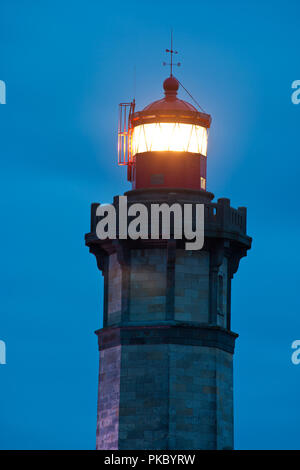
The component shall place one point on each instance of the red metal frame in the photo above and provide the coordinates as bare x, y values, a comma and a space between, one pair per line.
124, 133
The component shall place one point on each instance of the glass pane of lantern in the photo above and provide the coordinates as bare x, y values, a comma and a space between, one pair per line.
169, 136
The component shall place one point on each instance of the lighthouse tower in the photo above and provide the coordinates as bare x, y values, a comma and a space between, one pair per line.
166, 346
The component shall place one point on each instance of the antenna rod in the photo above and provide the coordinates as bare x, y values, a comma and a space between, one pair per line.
171, 51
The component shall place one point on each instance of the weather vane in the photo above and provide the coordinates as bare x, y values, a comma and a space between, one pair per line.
171, 51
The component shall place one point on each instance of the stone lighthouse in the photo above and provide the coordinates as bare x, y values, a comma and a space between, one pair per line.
166, 346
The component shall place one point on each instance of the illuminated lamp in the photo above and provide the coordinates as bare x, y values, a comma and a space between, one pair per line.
166, 143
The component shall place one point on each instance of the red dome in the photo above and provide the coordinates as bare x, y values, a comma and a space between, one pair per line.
166, 104
170, 109
170, 102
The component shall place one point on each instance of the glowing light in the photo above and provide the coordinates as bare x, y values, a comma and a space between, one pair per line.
169, 136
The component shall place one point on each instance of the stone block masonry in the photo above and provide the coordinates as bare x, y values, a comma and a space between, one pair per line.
171, 395
166, 346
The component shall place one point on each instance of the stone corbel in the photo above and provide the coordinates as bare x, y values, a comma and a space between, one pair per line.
101, 257
234, 261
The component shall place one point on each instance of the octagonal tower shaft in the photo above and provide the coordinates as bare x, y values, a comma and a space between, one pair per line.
166, 346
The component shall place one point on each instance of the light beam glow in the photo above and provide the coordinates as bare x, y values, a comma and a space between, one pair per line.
169, 136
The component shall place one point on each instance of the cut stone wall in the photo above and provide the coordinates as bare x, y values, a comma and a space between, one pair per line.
148, 285
108, 399
200, 398
148, 292
224, 384
114, 291
175, 397
192, 286
144, 397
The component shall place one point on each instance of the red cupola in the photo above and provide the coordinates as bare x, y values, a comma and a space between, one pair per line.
165, 144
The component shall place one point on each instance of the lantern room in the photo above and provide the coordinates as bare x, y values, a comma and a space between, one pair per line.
165, 144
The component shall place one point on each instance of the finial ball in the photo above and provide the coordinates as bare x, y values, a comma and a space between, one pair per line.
171, 84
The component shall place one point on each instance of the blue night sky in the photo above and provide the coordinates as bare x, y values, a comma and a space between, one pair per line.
67, 65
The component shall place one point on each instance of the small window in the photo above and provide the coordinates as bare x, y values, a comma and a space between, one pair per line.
157, 179
203, 183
